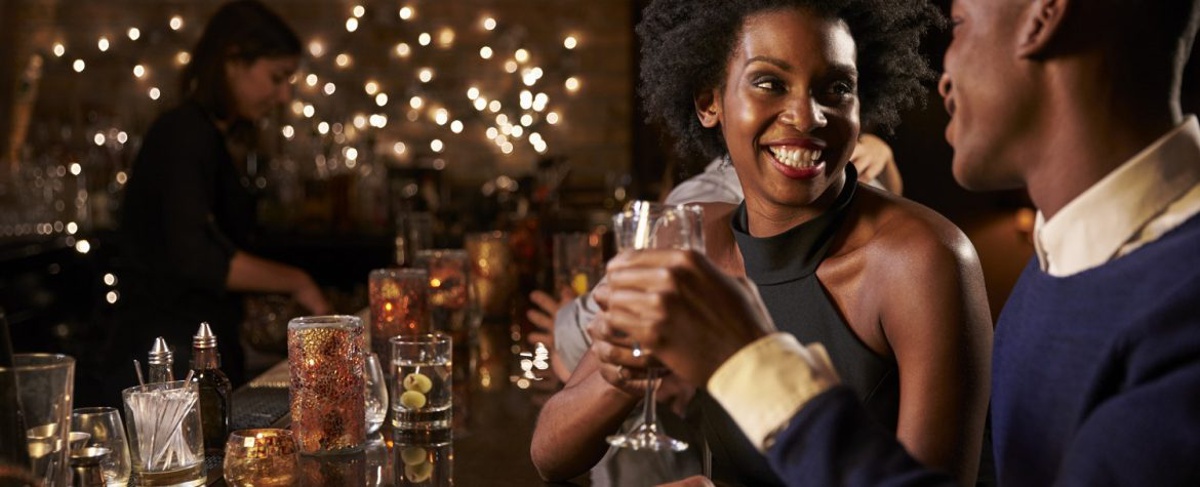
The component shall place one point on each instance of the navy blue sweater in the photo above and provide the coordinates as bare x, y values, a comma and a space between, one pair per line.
1095, 381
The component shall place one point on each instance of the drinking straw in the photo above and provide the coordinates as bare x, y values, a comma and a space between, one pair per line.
137, 367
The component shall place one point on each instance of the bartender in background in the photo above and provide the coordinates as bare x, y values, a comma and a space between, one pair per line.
189, 211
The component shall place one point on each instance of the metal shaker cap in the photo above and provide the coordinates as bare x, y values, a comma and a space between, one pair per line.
204, 337
160, 354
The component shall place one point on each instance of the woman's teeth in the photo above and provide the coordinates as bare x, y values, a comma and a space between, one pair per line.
798, 157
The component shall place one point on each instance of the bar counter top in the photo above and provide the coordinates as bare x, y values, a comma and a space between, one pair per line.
492, 450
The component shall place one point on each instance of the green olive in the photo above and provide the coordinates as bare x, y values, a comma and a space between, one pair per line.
412, 400
419, 472
413, 455
417, 381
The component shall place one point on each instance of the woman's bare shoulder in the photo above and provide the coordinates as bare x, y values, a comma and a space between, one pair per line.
898, 225
904, 239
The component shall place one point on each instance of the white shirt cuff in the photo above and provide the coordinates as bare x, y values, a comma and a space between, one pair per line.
766, 383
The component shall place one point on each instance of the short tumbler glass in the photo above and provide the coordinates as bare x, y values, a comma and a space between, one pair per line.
165, 439
423, 374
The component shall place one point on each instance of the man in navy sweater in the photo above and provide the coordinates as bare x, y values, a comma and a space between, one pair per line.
1096, 368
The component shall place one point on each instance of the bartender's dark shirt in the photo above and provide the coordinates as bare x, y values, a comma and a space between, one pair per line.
186, 211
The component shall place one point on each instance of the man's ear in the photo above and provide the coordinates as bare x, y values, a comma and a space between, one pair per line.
1042, 25
708, 108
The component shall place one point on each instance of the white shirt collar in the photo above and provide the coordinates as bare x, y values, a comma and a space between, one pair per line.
1092, 228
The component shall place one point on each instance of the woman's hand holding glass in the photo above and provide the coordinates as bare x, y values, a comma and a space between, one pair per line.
617, 365
640, 227
680, 310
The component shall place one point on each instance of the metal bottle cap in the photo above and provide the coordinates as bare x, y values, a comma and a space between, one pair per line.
204, 337
160, 354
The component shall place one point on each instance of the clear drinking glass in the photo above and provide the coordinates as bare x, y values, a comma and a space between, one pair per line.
421, 396
166, 443
454, 310
263, 457
647, 225
106, 430
376, 395
44, 386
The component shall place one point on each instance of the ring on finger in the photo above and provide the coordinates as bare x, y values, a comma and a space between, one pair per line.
621, 373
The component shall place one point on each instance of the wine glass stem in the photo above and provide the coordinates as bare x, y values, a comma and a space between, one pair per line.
649, 418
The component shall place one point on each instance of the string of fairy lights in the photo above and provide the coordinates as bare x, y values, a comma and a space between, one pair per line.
513, 115
415, 83
505, 128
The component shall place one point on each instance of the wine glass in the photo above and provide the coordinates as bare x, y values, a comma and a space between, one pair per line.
106, 430
261, 457
647, 225
376, 395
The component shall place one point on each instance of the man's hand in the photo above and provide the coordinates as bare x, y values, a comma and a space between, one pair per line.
678, 308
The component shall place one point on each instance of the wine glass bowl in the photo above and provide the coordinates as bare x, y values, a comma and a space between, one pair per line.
104, 429
376, 394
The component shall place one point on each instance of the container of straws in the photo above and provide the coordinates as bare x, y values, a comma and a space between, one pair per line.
166, 443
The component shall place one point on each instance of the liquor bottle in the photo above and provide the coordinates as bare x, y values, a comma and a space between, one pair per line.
215, 390
13, 449
159, 362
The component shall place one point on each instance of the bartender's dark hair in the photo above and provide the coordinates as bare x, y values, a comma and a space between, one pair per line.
687, 44
242, 30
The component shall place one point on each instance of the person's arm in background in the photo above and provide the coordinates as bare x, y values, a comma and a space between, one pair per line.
248, 272
570, 432
196, 249
876, 164
543, 316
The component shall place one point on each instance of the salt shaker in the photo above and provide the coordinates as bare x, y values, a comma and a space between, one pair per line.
160, 361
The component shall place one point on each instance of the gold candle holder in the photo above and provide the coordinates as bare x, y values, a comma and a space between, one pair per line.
399, 306
449, 288
261, 457
493, 272
326, 360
